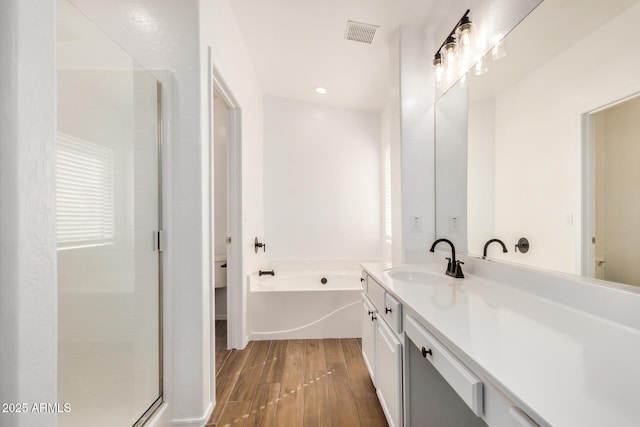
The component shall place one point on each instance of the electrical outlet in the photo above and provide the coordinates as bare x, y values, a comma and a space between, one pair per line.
568, 220
453, 224
416, 224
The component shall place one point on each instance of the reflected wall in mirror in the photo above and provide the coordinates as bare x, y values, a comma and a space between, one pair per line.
451, 167
533, 167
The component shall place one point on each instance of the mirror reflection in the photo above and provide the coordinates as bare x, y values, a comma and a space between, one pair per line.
546, 144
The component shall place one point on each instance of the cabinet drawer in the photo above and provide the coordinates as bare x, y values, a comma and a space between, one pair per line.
459, 377
375, 292
392, 313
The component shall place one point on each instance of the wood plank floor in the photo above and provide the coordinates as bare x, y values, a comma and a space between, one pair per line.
293, 383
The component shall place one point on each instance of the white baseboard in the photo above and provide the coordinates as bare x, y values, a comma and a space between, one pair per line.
195, 422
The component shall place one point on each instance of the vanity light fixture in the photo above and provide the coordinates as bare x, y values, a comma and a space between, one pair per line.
457, 47
320, 89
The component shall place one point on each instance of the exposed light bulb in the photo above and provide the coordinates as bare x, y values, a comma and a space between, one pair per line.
438, 69
449, 52
465, 34
321, 90
450, 55
465, 38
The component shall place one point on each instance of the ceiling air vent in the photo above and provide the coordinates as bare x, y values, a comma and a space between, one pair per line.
360, 32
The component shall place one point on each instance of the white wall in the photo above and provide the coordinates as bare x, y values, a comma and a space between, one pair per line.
321, 181
385, 150
417, 121
451, 168
28, 294
481, 176
393, 114
538, 129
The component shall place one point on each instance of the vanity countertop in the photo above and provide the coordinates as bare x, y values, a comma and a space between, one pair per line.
570, 367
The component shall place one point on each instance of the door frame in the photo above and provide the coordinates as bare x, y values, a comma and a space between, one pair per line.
235, 308
587, 248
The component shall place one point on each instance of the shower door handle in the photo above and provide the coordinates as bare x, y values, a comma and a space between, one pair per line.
158, 240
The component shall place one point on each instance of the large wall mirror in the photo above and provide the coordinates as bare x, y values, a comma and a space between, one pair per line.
545, 144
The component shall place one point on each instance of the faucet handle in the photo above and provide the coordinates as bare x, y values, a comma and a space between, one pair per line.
458, 270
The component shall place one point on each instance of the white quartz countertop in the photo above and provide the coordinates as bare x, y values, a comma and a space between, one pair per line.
569, 367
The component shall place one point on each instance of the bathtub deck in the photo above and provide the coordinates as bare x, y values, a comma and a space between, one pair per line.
293, 383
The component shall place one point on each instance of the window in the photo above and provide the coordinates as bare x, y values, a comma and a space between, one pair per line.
84, 193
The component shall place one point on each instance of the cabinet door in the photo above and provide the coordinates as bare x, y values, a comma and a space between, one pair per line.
369, 325
389, 374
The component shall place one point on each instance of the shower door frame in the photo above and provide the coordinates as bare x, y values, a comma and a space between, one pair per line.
158, 246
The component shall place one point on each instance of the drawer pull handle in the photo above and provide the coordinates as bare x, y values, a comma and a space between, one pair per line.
387, 310
373, 318
370, 312
362, 279
425, 352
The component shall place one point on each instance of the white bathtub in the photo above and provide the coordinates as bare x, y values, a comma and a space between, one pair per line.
297, 305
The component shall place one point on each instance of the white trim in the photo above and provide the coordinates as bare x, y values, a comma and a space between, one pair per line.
588, 200
587, 255
158, 417
199, 422
235, 275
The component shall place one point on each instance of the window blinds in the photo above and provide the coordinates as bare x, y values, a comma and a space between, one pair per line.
84, 193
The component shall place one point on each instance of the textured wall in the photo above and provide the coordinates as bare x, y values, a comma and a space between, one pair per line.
27, 209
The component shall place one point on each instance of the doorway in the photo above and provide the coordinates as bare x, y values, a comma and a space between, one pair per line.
615, 204
225, 218
220, 217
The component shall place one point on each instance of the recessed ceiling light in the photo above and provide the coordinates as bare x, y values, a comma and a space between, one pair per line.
321, 90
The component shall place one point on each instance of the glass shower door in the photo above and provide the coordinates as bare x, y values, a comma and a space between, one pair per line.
109, 349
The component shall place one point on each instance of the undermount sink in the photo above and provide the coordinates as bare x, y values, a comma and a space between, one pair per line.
415, 276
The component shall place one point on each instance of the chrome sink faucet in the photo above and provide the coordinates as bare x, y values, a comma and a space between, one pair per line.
453, 268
